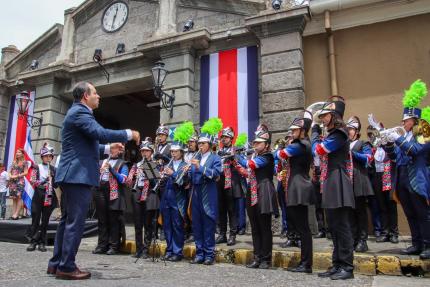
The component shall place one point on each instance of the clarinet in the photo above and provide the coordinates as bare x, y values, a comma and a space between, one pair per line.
163, 176
180, 177
136, 183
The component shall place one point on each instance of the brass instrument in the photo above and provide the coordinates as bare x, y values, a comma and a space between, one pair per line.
423, 133
382, 136
315, 109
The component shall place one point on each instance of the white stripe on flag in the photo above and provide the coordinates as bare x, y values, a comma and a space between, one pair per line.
213, 85
242, 90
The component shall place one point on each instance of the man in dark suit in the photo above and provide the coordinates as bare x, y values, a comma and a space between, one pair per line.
78, 172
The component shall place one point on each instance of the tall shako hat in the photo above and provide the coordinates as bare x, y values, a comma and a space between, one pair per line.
354, 122
210, 130
162, 130
262, 134
47, 150
182, 135
335, 104
412, 99
147, 144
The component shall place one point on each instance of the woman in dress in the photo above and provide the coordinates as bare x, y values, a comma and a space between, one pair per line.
18, 171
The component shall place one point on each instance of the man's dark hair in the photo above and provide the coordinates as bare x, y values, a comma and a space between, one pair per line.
79, 90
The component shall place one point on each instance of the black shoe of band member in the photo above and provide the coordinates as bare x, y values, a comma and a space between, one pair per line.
242, 231
342, 274
31, 247
394, 238
411, 250
231, 240
302, 268
209, 262
383, 238
99, 250
425, 254
332, 270
222, 238
41, 247
253, 264
288, 243
112, 251
197, 261
265, 265
174, 258
320, 234
361, 246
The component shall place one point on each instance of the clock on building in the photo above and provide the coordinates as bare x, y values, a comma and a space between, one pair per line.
115, 16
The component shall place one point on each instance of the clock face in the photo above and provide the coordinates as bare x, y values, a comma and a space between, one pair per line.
115, 16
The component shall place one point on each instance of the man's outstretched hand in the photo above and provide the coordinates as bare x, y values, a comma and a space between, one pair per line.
136, 137
116, 146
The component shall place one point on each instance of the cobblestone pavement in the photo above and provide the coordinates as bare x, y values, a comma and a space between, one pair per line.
21, 268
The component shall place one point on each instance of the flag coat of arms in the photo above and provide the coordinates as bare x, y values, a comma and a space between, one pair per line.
229, 89
19, 136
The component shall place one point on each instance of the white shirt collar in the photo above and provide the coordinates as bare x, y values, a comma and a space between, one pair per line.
205, 157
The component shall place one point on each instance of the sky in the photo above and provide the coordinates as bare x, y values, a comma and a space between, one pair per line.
23, 21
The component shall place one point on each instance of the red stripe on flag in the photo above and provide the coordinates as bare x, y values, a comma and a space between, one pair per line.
227, 88
21, 132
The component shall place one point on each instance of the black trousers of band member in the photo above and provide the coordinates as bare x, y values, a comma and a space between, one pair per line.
101, 200
359, 219
139, 216
40, 215
261, 231
319, 212
340, 229
387, 206
292, 233
416, 209
227, 210
299, 216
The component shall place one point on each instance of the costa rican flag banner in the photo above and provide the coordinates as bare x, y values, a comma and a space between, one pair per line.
229, 89
19, 136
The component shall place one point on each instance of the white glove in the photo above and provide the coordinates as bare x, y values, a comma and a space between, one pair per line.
392, 137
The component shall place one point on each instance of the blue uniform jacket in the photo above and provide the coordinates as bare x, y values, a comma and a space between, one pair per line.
81, 137
204, 181
175, 196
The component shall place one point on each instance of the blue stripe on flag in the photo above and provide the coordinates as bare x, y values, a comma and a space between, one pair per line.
204, 88
253, 117
9, 131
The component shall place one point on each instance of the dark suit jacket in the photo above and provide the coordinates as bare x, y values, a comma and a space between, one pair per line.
82, 137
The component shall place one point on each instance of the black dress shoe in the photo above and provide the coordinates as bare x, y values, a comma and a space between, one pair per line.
320, 234
361, 246
241, 231
394, 238
253, 264
209, 262
300, 269
99, 251
382, 238
138, 254
425, 254
411, 250
342, 274
265, 265
231, 240
31, 247
174, 258
377, 233
298, 243
197, 261
112, 251
332, 270
41, 247
288, 243
190, 239
222, 238
166, 257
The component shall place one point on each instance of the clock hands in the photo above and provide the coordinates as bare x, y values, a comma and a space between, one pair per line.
114, 17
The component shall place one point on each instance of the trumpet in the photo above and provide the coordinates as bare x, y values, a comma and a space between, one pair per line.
381, 137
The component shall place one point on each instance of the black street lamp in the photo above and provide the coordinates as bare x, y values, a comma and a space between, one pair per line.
159, 74
23, 101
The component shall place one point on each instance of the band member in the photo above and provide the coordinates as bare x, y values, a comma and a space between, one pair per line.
44, 199
204, 172
413, 179
361, 157
261, 200
230, 188
144, 209
110, 203
162, 147
191, 151
281, 172
381, 175
336, 185
173, 203
299, 191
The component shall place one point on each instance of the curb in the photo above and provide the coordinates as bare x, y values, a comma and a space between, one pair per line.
363, 264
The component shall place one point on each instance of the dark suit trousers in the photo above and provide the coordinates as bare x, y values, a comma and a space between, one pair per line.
101, 198
299, 215
261, 231
226, 209
139, 214
340, 229
359, 219
77, 198
39, 211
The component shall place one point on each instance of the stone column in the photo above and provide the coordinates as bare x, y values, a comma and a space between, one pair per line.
166, 17
53, 106
66, 52
4, 113
282, 75
179, 62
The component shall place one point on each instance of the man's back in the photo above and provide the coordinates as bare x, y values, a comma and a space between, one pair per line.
81, 135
